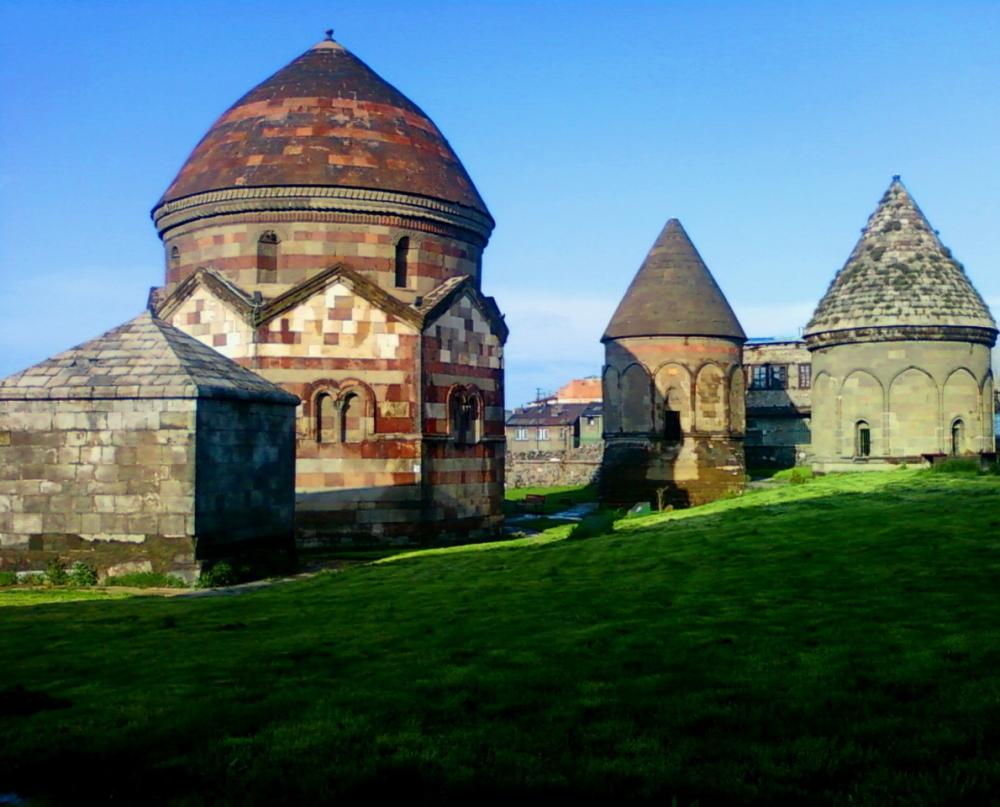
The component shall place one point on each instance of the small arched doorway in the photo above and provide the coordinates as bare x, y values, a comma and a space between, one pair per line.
957, 437
862, 439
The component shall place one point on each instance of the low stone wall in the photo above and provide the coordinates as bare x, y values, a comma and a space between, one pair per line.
546, 469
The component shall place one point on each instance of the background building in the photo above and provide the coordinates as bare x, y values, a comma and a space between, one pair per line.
553, 427
779, 402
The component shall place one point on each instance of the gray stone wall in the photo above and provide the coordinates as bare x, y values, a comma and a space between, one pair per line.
245, 474
910, 394
108, 482
547, 469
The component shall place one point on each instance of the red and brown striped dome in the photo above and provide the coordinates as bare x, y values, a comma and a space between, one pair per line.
326, 119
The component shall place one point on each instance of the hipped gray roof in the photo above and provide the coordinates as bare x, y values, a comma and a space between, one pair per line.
899, 274
673, 294
144, 358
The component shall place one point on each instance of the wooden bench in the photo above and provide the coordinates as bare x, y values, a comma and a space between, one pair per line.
533, 501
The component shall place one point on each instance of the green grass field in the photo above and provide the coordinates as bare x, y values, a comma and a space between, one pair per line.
833, 642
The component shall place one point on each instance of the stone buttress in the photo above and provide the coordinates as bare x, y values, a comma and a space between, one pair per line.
674, 413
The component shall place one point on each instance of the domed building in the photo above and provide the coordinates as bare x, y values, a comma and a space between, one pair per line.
900, 348
674, 392
325, 235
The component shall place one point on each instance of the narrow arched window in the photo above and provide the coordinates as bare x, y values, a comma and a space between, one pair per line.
457, 416
862, 439
472, 434
325, 426
267, 258
351, 430
175, 262
402, 258
957, 437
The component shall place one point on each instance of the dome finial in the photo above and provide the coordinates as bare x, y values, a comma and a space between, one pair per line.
329, 35
895, 177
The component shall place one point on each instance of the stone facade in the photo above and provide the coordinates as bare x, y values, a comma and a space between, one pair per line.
142, 450
674, 390
779, 403
324, 235
901, 350
549, 427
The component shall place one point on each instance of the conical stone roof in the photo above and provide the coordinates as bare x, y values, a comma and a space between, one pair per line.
673, 294
144, 358
899, 274
326, 119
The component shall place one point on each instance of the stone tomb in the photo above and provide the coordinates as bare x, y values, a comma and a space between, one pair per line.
143, 450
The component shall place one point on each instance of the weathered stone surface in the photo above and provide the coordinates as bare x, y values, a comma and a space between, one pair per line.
901, 350
93, 476
575, 466
674, 390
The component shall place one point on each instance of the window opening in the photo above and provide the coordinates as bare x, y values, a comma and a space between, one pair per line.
175, 261
769, 376
521, 434
543, 434
957, 437
267, 258
402, 257
325, 431
862, 439
671, 426
350, 419
805, 376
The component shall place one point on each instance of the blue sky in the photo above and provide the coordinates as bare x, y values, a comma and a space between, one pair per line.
770, 129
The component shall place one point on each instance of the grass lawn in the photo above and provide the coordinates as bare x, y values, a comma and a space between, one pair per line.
41, 596
834, 642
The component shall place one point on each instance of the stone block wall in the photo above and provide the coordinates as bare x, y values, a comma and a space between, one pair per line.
909, 394
462, 354
107, 482
576, 466
245, 475
697, 380
307, 247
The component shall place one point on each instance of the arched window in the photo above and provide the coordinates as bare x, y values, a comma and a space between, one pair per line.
402, 257
175, 262
957, 437
464, 416
267, 258
325, 426
862, 439
351, 429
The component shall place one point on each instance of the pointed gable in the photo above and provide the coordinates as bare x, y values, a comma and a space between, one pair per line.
144, 358
899, 274
673, 294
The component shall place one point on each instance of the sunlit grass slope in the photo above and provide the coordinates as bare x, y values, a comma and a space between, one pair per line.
827, 643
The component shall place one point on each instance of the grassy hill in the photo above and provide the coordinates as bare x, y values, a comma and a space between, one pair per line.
826, 643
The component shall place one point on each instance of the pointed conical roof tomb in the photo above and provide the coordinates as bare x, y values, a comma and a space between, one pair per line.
144, 358
673, 294
899, 274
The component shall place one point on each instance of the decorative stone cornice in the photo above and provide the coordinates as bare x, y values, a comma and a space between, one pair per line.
229, 201
902, 333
